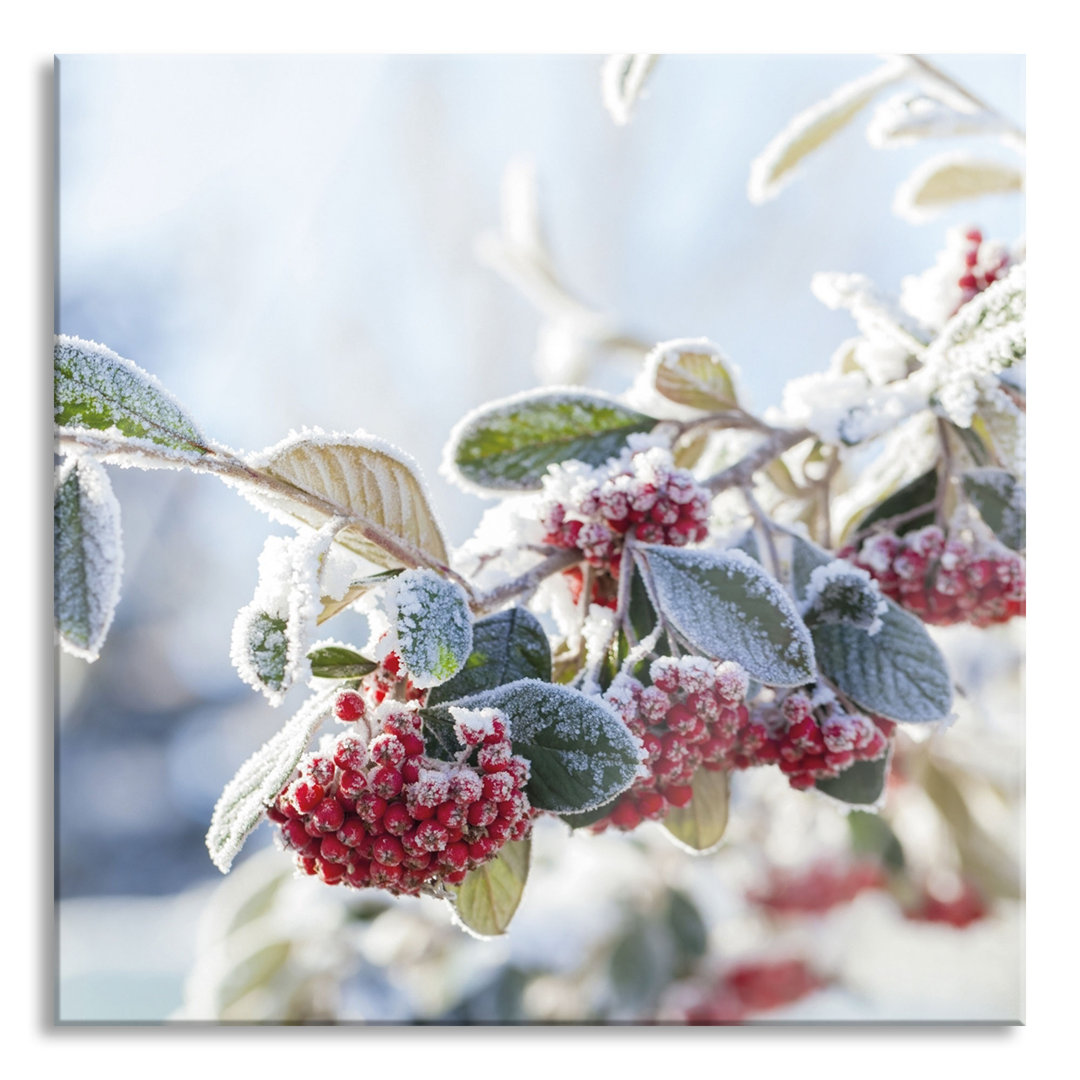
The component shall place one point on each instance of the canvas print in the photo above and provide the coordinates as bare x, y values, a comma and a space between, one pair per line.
540, 539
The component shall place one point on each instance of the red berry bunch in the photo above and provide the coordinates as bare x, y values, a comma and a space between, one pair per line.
379, 812
817, 888
688, 717
810, 743
641, 494
984, 263
960, 909
946, 581
391, 680
755, 987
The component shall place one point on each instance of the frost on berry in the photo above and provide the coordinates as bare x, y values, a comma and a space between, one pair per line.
641, 494
959, 579
703, 721
686, 719
378, 812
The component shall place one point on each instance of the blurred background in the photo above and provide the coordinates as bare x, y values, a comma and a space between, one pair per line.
289, 241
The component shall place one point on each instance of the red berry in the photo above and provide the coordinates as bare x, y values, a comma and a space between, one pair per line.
349, 706
328, 816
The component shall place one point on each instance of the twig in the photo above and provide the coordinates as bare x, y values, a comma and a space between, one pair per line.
766, 527
226, 465
741, 473
526, 582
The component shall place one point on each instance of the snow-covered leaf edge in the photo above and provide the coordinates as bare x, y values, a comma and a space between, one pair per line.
433, 625
694, 372
764, 632
777, 165
863, 667
361, 477
95, 388
507, 445
564, 734
507, 646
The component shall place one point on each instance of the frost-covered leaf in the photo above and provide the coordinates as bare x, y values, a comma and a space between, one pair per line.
950, 178
777, 163
332, 605
581, 754
258, 781
507, 646
88, 556
919, 492
507, 445
699, 826
908, 117
963, 369
692, 371
360, 477
486, 900
861, 784
725, 606
899, 673
338, 662
839, 592
433, 625
271, 634
95, 388
1001, 502
622, 79
879, 317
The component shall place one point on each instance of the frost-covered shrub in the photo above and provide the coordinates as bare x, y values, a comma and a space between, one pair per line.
727, 591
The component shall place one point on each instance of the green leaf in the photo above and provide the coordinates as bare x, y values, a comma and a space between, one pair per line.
693, 371
95, 388
725, 606
258, 781
507, 646
871, 834
688, 929
486, 900
87, 556
861, 784
581, 754
508, 445
919, 492
640, 964
1002, 503
699, 826
898, 673
434, 626
337, 662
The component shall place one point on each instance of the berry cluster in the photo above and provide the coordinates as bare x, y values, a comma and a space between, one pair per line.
810, 743
689, 716
641, 494
817, 888
751, 987
391, 680
967, 266
378, 812
694, 714
945, 581
984, 263
960, 909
